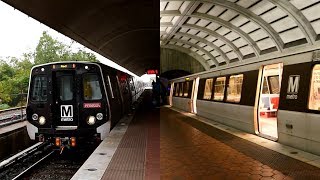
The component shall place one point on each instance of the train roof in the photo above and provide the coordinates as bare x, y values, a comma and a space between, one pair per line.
103, 66
64, 62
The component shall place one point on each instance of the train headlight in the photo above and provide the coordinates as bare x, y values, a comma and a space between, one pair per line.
91, 120
35, 117
42, 120
99, 116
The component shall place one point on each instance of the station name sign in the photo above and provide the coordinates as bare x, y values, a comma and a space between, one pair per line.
293, 87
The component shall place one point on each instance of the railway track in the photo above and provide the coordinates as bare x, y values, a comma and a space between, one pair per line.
15, 166
41, 161
12, 115
32, 166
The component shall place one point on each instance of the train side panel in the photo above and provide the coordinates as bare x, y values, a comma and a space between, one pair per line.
182, 103
239, 115
115, 95
228, 114
298, 123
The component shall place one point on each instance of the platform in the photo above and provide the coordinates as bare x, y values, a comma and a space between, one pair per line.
186, 146
12, 127
192, 148
131, 150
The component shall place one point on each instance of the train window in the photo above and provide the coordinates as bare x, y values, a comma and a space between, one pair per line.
274, 84
181, 89
39, 89
186, 89
131, 83
234, 88
219, 86
65, 83
177, 89
168, 89
265, 88
201, 88
91, 87
190, 89
208, 89
314, 96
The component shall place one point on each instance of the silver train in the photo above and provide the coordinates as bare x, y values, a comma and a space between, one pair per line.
277, 99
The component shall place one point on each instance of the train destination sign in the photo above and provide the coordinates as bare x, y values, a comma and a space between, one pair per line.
293, 87
91, 105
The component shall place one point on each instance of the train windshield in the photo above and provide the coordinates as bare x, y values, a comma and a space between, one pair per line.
65, 83
39, 88
91, 87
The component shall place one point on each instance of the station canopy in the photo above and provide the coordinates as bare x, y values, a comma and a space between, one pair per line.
125, 31
221, 33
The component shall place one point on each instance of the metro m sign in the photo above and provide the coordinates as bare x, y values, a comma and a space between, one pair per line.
293, 87
66, 112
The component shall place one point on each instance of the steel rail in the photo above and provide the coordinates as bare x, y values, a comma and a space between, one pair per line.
32, 166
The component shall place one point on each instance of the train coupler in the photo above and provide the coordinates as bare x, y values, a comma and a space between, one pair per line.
65, 143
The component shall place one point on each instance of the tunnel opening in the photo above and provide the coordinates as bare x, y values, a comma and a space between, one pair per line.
172, 74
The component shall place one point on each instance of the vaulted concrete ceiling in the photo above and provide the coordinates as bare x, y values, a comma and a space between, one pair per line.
125, 31
229, 32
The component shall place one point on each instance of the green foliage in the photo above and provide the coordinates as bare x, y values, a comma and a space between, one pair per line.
51, 50
14, 72
4, 106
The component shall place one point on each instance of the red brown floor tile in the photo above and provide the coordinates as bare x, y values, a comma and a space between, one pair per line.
190, 149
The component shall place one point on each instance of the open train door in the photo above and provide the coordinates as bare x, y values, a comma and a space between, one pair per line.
267, 100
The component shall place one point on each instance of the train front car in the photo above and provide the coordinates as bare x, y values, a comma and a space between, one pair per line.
67, 102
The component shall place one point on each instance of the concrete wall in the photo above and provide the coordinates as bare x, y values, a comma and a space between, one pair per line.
175, 60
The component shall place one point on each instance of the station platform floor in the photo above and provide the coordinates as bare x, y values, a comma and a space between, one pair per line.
131, 151
165, 143
191, 149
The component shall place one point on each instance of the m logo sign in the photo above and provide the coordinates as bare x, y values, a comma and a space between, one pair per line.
293, 87
66, 112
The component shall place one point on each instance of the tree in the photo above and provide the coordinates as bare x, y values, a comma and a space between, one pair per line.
15, 72
51, 50
48, 49
6, 71
81, 55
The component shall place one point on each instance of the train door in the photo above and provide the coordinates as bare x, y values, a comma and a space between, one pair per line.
115, 99
65, 105
268, 102
132, 89
171, 93
194, 95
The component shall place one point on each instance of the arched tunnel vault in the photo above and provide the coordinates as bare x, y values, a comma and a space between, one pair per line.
225, 33
173, 59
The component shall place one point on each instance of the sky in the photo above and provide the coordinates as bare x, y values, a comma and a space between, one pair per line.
20, 34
